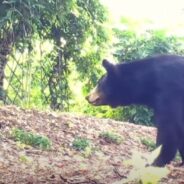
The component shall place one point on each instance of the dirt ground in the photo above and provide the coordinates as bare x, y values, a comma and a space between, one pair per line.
62, 164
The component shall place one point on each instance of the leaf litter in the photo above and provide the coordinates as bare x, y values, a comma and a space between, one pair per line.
104, 163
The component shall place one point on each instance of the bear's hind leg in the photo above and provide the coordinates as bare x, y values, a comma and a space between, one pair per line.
168, 113
181, 151
181, 137
168, 151
181, 144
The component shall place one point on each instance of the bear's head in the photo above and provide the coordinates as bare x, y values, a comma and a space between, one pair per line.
105, 93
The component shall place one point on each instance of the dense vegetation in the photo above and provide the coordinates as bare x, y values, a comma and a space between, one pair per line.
51, 52
132, 45
42, 42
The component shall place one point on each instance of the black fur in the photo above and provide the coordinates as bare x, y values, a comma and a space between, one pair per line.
157, 82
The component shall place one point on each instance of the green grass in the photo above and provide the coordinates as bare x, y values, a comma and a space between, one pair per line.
31, 139
80, 143
111, 137
149, 143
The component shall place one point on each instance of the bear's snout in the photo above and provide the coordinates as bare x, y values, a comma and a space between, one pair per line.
95, 97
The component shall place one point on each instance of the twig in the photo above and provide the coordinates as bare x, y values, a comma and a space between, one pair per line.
77, 181
63, 179
116, 171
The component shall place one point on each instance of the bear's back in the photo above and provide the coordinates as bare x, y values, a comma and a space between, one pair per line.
152, 76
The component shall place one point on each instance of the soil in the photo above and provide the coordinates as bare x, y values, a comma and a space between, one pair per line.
103, 163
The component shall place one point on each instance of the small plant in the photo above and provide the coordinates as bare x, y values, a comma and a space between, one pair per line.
178, 157
149, 143
25, 159
81, 144
31, 139
111, 137
88, 151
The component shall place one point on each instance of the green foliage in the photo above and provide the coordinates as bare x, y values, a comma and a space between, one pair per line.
31, 139
111, 137
76, 35
133, 45
55, 48
138, 115
81, 144
130, 45
149, 143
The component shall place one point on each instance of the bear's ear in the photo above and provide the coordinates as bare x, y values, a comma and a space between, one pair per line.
107, 65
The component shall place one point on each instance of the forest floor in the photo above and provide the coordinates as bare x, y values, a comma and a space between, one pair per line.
104, 162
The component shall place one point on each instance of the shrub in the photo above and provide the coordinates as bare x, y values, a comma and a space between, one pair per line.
81, 144
111, 137
31, 139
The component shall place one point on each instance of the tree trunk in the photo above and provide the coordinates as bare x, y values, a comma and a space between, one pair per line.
5, 45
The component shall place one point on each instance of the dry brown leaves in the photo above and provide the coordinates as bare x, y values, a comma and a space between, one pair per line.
63, 164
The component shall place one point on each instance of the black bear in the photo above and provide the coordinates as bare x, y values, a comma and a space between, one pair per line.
157, 82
